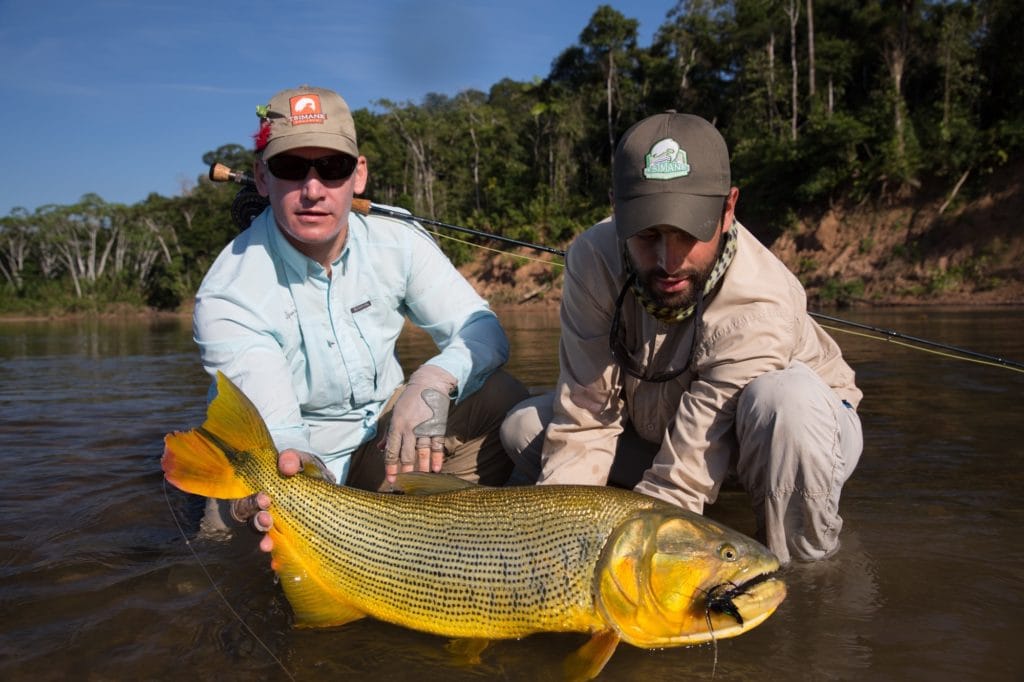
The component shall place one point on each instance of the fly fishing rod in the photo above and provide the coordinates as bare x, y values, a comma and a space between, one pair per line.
221, 173
248, 204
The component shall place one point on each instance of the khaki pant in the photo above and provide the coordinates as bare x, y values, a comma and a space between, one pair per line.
796, 445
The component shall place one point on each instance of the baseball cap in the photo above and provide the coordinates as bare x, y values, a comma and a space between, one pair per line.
670, 169
309, 117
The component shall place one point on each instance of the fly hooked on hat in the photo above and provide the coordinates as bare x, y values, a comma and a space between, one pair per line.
305, 117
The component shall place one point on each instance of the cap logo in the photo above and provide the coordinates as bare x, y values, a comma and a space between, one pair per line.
306, 109
666, 161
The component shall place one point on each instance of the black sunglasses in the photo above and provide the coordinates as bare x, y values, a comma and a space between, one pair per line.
329, 168
622, 355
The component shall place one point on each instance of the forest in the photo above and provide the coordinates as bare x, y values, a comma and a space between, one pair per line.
827, 106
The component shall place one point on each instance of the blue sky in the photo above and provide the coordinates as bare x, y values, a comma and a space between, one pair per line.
123, 97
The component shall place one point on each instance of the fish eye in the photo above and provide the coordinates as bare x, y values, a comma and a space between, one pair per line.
727, 552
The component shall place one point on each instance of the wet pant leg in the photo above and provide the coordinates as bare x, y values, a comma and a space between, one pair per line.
798, 444
523, 437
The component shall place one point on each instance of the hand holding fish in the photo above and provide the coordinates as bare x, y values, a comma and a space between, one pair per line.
254, 507
419, 420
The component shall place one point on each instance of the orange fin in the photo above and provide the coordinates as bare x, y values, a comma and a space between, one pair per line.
589, 660
195, 464
315, 602
232, 418
200, 461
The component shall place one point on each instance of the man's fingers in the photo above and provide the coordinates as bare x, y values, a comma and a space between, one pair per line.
436, 453
289, 462
246, 508
392, 449
423, 453
263, 521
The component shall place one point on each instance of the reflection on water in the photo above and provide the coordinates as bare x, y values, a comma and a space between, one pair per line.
98, 582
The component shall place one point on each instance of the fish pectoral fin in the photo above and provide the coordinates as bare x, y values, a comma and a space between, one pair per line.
315, 602
422, 483
589, 660
467, 650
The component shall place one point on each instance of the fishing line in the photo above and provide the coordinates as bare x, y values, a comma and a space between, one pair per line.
221, 173
999, 362
714, 640
238, 617
913, 343
497, 251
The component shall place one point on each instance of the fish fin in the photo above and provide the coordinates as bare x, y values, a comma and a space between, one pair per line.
467, 650
233, 419
200, 461
314, 602
195, 464
422, 483
589, 660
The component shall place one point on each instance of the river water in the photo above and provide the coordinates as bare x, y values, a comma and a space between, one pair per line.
97, 581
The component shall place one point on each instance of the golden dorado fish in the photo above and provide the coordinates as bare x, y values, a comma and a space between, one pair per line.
480, 563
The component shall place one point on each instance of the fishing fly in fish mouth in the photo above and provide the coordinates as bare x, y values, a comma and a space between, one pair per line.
475, 562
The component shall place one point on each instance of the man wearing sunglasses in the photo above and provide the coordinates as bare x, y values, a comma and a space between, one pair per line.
687, 351
303, 309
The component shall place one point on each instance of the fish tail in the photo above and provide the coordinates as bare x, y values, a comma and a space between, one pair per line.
202, 461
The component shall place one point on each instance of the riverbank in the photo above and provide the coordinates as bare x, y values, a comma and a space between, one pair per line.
935, 249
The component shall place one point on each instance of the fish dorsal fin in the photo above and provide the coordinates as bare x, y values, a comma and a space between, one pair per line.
236, 422
422, 483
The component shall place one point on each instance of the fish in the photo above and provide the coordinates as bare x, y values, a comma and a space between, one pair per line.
478, 563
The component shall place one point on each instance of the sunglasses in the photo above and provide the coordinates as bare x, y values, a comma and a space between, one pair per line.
624, 357
329, 168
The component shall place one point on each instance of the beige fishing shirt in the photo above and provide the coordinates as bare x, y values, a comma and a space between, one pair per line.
756, 322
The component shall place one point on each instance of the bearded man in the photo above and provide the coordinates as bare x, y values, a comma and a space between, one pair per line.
687, 352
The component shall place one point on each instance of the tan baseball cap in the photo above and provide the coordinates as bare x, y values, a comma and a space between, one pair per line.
671, 169
310, 117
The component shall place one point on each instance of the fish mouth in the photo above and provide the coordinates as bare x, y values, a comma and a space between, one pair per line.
746, 604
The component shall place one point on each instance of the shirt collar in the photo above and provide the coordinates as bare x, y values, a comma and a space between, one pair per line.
297, 262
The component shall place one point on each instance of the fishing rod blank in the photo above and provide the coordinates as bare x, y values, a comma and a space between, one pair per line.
244, 213
248, 205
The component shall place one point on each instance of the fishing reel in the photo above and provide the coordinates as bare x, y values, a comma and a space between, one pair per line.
248, 203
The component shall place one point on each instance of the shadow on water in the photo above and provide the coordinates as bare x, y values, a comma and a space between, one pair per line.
99, 583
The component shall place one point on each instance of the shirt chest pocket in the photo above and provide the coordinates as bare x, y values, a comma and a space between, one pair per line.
370, 326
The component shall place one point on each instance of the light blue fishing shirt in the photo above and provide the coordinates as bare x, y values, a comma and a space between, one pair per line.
316, 354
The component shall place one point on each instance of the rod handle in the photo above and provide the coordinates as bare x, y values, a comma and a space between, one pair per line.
221, 173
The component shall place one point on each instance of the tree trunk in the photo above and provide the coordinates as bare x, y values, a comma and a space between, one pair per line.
895, 60
771, 83
793, 12
476, 162
810, 49
609, 88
